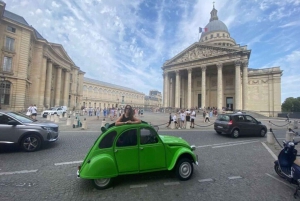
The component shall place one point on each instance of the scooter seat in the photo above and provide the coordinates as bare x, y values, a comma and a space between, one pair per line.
297, 161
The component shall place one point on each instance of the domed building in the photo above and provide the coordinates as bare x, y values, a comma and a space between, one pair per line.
214, 72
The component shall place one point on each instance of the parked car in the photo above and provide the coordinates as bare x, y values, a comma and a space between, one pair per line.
238, 124
52, 111
135, 148
29, 134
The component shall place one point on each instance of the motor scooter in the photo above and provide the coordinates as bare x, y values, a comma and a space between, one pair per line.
288, 166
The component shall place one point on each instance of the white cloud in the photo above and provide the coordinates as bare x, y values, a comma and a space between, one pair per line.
55, 5
38, 11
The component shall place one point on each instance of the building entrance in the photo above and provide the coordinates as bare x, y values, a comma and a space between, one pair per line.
229, 103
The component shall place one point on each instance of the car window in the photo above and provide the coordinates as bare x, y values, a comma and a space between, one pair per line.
127, 138
21, 117
4, 119
250, 119
148, 136
239, 118
108, 140
223, 118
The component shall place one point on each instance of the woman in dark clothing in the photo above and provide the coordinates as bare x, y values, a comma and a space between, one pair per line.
127, 117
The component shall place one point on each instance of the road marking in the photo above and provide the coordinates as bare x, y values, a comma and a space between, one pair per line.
171, 183
235, 177
138, 186
18, 172
228, 145
211, 145
270, 151
280, 181
67, 163
205, 180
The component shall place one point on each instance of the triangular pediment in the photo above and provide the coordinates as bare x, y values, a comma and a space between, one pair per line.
61, 51
199, 51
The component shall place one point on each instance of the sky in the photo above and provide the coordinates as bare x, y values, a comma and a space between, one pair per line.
126, 42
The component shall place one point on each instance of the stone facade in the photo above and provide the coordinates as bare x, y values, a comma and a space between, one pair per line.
214, 73
34, 70
105, 95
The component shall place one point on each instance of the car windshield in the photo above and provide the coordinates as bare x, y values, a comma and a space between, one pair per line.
21, 117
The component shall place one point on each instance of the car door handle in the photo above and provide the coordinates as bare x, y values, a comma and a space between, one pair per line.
141, 148
116, 150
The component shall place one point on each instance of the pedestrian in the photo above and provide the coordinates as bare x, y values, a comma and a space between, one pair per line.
207, 117
175, 121
193, 117
33, 112
182, 119
287, 117
127, 117
204, 113
112, 114
28, 113
98, 113
170, 120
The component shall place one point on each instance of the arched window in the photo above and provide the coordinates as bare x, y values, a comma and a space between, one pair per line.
5, 92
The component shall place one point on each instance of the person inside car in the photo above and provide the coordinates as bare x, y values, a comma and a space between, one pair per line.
127, 117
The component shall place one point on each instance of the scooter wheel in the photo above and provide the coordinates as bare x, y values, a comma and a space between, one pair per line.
278, 171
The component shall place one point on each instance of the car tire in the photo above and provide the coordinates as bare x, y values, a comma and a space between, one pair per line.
262, 133
235, 133
278, 171
31, 142
184, 169
219, 132
102, 183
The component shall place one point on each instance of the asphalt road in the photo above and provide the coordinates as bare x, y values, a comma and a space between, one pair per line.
229, 169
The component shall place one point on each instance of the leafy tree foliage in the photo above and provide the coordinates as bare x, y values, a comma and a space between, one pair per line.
291, 105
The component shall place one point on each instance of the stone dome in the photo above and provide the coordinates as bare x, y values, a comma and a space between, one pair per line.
215, 25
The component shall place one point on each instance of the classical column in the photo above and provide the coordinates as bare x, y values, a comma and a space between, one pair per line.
177, 90
220, 87
245, 85
42, 84
237, 85
166, 79
66, 88
58, 86
189, 88
203, 86
48, 84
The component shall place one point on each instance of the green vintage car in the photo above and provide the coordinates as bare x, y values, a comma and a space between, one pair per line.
132, 149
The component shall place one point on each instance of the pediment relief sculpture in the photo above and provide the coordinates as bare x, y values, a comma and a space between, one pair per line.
200, 53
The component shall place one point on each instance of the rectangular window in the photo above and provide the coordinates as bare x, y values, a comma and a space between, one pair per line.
7, 64
11, 29
70, 89
9, 44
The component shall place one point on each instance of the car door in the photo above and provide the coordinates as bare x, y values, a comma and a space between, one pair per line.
9, 133
151, 150
253, 126
126, 151
242, 124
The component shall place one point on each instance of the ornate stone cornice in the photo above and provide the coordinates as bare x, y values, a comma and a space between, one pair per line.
189, 70
245, 63
219, 65
237, 62
203, 67
177, 72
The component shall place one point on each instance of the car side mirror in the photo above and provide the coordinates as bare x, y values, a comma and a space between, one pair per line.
13, 122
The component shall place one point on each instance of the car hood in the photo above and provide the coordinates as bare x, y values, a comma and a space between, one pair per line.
47, 124
172, 140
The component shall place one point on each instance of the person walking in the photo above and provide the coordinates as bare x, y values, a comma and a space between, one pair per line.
33, 112
204, 113
182, 120
175, 121
287, 117
170, 120
193, 117
98, 113
206, 117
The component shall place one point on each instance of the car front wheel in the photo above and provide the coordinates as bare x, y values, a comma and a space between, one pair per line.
102, 183
235, 133
184, 169
262, 133
219, 132
31, 143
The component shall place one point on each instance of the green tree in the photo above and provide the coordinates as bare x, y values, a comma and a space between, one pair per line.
291, 105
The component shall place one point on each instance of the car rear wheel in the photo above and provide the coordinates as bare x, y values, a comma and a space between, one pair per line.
184, 169
262, 133
102, 183
235, 133
31, 143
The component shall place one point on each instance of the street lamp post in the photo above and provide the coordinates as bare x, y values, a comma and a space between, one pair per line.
2, 79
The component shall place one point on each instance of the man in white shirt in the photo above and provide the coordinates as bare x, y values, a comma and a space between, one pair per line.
193, 117
182, 119
33, 112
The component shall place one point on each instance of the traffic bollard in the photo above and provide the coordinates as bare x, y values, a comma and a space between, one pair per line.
172, 125
48, 117
103, 123
270, 137
75, 122
289, 136
84, 125
295, 124
51, 117
56, 118
69, 121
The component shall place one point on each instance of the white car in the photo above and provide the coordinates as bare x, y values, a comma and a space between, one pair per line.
52, 111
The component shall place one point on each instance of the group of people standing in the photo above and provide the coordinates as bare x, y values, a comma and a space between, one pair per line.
180, 122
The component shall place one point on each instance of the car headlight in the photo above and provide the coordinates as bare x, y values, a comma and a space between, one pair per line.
193, 147
46, 128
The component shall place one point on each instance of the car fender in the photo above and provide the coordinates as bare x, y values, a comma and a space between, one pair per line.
101, 166
180, 152
31, 132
